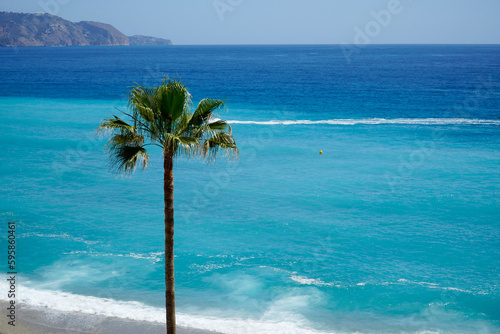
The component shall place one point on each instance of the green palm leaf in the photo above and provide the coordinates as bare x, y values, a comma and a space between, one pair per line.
173, 100
205, 110
126, 158
115, 123
219, 141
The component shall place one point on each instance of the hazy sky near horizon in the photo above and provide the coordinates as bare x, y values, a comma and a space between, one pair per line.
286, 21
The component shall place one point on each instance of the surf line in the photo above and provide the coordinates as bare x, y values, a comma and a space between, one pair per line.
11, 262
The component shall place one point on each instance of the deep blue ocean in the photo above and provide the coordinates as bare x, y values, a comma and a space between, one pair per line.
395, 228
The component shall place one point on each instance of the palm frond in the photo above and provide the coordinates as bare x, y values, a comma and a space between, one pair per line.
181, 127
145, 112
204, 111
130, 139
182, 145
126, 158
172, 100
219, 141
207, 130
114, 124
141, 100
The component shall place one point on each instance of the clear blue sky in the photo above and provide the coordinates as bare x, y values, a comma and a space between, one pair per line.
285, 21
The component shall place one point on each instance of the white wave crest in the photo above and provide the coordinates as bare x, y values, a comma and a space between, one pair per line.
433, 286
377, 121
274, 322
57, 236
152, 256
309, 281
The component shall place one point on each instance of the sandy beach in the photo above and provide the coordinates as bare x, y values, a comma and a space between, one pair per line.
31, 320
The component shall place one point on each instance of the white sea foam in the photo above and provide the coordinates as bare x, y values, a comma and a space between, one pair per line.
7, 214
57, 236
317, 282
68, 302
153, 256
203, 268
270, 322
376, 121
433, 286
310, 281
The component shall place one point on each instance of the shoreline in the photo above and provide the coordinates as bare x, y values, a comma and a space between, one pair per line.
33, 320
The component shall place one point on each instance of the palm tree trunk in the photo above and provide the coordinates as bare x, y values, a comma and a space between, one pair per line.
168, 188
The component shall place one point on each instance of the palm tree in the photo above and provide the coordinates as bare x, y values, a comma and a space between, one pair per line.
162, 116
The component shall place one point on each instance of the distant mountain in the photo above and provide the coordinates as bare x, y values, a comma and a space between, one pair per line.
20, 29
148, 40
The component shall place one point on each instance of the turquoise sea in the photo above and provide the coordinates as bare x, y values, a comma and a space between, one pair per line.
395, 228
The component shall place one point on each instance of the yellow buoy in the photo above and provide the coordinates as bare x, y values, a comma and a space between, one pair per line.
320, 152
